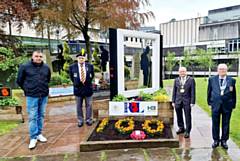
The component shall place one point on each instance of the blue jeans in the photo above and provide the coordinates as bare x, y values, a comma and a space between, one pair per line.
36, 108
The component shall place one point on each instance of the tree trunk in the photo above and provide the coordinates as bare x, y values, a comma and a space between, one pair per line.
85, 32
209, 72
10, 27
49, 38
88, 45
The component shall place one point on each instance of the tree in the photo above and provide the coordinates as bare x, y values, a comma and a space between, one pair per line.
15, 12
170, 61
67, 60
205, 59
9, 63
210, 62
84, 15
188, 60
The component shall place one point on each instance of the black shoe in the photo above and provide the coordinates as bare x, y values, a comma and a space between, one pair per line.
224, 144
80, 124
215, 144
89, 123
180, 131
186, 135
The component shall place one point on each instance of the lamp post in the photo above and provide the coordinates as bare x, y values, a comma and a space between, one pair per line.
58, 53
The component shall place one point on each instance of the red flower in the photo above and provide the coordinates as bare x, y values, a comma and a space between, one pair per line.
138, 135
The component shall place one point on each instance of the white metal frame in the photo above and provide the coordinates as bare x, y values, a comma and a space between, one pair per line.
121, 33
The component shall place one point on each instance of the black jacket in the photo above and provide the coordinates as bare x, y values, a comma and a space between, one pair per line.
214, 98
80, 89
34, 78
188, 97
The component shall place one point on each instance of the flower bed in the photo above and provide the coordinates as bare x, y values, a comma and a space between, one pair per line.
110, 132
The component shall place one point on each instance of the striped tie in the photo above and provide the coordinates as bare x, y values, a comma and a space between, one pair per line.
82, 74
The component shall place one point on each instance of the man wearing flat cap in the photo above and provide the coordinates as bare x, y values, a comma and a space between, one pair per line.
81, 74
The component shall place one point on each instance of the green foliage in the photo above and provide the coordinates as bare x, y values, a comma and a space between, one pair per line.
119, 98
8, 102
187, 58
67, 58
96, 69
66, 52
57, 79
161, 91
95, 54
126, 73
145, 96
66, 66
10, 62
170, 60
205, 59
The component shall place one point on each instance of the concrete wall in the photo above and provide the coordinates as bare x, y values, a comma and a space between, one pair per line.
181, 33
219, 31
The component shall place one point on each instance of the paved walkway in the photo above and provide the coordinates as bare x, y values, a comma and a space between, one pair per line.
64, 138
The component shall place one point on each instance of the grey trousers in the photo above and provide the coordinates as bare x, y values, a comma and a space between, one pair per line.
88, 102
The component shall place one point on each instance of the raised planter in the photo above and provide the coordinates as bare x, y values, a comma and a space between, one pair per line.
11, 113
165, 113
87, 145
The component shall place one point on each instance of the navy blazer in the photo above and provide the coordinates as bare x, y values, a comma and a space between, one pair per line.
214, 98
188, 97
80, 89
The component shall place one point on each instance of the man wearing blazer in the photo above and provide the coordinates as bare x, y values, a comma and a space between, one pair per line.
81, 74
222, 99
183, 99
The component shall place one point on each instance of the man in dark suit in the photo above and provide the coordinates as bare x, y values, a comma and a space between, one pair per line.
145, 66
81, 74
222, 99
104, 58
183, 99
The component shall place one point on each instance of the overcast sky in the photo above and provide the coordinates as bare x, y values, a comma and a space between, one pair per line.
165, 10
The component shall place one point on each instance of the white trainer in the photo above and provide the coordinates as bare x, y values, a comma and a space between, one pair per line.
33, 143
41, 138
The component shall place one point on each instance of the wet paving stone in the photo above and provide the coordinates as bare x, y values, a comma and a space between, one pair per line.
160, 154
203, 154
17, 159
59, 157
125, 155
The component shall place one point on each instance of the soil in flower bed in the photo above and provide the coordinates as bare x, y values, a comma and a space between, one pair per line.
110, 133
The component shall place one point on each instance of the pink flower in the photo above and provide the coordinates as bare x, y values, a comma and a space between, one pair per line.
138, 135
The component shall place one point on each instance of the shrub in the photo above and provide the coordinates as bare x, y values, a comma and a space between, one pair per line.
8, 102
119, 98
96, 69
57, 79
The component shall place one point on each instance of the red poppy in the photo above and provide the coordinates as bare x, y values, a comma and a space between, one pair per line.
5, 92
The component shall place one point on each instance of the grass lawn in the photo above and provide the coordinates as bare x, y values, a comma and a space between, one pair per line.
7, 126
201, 100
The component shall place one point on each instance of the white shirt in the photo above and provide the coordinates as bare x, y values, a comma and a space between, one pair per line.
183, 80
79, 69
